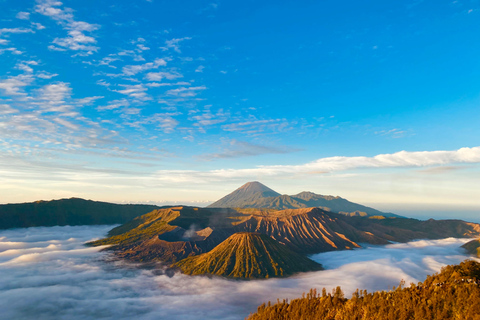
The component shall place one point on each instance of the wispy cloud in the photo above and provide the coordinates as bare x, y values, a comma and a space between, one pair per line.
15, 30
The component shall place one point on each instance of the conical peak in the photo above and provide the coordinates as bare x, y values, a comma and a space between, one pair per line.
255, 186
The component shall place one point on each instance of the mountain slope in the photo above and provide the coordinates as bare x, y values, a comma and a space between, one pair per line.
248, 255
256, 195
73, 211
473, 247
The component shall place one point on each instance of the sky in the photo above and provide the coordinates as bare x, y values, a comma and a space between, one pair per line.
48, 273
184, 101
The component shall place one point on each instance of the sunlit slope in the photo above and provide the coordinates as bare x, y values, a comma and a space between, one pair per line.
454, 293
248, 255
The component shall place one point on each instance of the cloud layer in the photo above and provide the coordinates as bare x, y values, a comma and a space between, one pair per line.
402, 159
48, 273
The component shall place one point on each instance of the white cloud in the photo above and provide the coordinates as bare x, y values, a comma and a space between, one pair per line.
11, 50
402, 159
131, 70
46, 75
3, 41
23, 15
37, 26
200, 69
25, 66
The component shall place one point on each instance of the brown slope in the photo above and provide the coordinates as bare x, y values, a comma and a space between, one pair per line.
247, 255
309, 230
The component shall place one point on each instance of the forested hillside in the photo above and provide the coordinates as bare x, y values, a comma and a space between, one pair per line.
73, 211
454, 293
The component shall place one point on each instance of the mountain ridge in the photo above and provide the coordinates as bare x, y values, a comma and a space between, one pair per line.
71, 211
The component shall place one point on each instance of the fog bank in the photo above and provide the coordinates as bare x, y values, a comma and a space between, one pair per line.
47, 273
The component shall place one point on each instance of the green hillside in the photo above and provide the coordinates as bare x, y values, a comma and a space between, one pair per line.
248, 255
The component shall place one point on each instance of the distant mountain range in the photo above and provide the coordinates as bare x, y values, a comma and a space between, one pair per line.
254, 232
256, 195
73, 211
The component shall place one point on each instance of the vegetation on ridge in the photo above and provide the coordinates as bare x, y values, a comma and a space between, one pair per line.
454, 293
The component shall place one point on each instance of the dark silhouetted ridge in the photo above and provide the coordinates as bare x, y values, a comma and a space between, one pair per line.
73, 211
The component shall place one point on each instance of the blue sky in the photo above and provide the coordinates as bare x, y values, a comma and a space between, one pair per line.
184, 101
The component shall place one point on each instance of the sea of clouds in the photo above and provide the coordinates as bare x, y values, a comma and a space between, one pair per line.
47, 273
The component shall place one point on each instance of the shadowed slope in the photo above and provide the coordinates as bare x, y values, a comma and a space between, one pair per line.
73, 212
473, 247
248, 255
